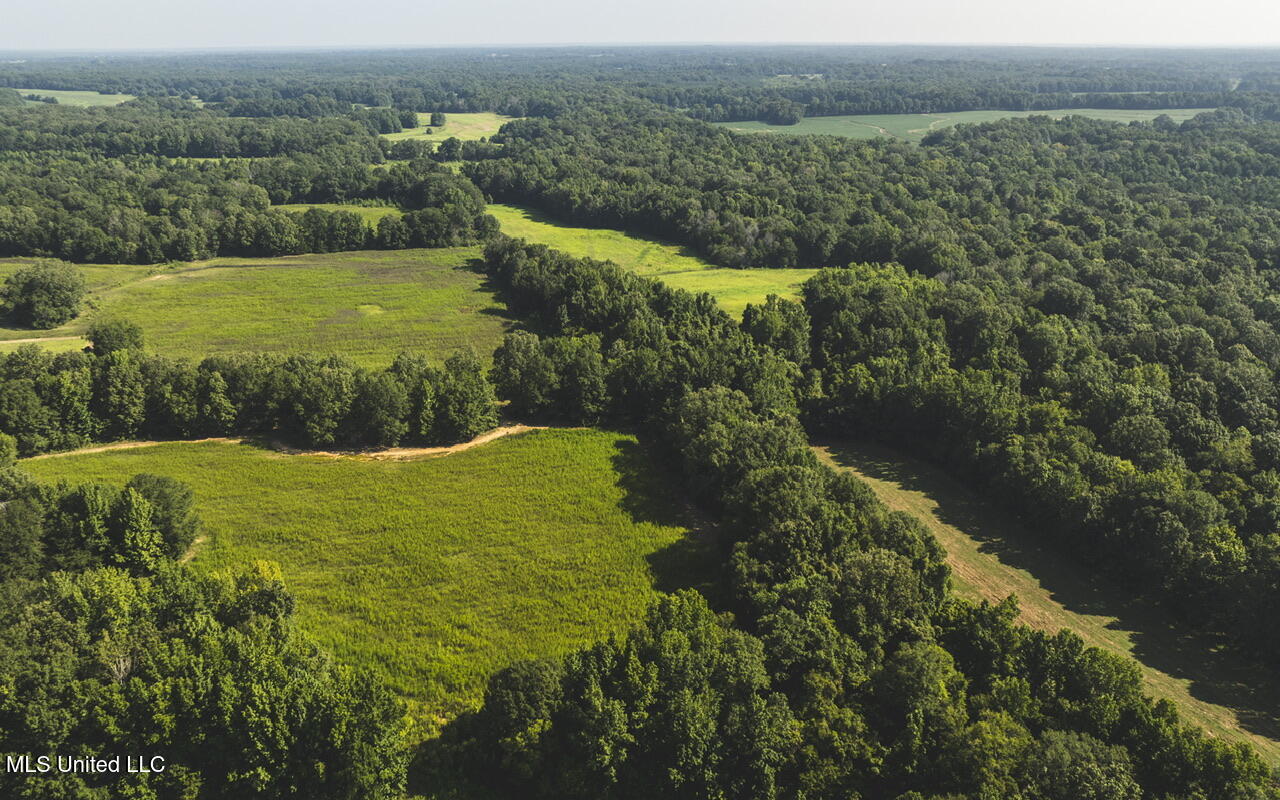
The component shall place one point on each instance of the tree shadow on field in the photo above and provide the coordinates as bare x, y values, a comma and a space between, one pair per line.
1215, 673
652, 495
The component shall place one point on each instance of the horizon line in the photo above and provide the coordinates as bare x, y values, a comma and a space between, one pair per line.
233, 48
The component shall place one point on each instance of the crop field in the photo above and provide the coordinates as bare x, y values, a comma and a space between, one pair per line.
466, 127
366, 305
436, 572
674, 265
913, 127
992, 556
370, 214
78, 98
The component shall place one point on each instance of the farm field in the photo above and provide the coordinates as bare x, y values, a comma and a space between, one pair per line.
672, 264
466, 127
914, 127
366, 305
370, 214
438, 571
68, 97
992, 556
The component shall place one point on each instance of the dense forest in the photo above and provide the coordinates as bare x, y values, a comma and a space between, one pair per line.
1077, 317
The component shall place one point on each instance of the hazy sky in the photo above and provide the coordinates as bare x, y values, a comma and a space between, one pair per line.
168, 24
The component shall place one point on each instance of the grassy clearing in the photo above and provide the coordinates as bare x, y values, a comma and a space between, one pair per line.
993, 555
370, 214
366, 305
675, 265
78, 98
466, 127
437, 572
913, 127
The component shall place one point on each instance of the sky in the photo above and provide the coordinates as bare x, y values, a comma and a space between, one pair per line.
198, 24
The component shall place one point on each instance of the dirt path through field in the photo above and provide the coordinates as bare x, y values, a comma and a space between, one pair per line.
40, 339
993, 555
387, 454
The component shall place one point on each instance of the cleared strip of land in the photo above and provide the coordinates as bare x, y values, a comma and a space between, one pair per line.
678, 267
913, 127
993, 556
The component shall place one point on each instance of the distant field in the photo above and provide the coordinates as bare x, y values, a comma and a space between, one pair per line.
78, 98
913, 127
370, 214
466, 127
992, 556
672, 264
366, 305
437, 572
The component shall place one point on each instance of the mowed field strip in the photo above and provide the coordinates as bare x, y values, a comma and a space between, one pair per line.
674, 265
993, 556
366, 305
436, 572
914, 127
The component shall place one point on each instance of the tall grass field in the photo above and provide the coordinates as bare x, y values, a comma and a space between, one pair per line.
436, 572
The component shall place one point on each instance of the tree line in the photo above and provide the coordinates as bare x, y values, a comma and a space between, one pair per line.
107, 645
109, 392
841, 665
146, 209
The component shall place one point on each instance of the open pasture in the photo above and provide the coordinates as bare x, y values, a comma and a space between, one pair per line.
466, 127
436, 572
370, 214
672, 264
366, 305
68, 97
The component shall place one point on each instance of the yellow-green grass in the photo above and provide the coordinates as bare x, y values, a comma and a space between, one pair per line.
366, 305
993, 555
674, 265
57, 344
465, 127
436, 572
67, 97
913, 127
370, 214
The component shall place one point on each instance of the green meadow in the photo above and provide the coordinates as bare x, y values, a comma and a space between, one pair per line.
466, 127
370, 214
436, 572
914, 127
674, 265
67, 97
366, 305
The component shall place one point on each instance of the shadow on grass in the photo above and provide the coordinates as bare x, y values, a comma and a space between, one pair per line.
542, 217
449, 767
1216, 674
651, 495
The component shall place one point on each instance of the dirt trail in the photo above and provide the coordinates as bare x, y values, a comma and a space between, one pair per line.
39, 339
993, 555
387, 454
